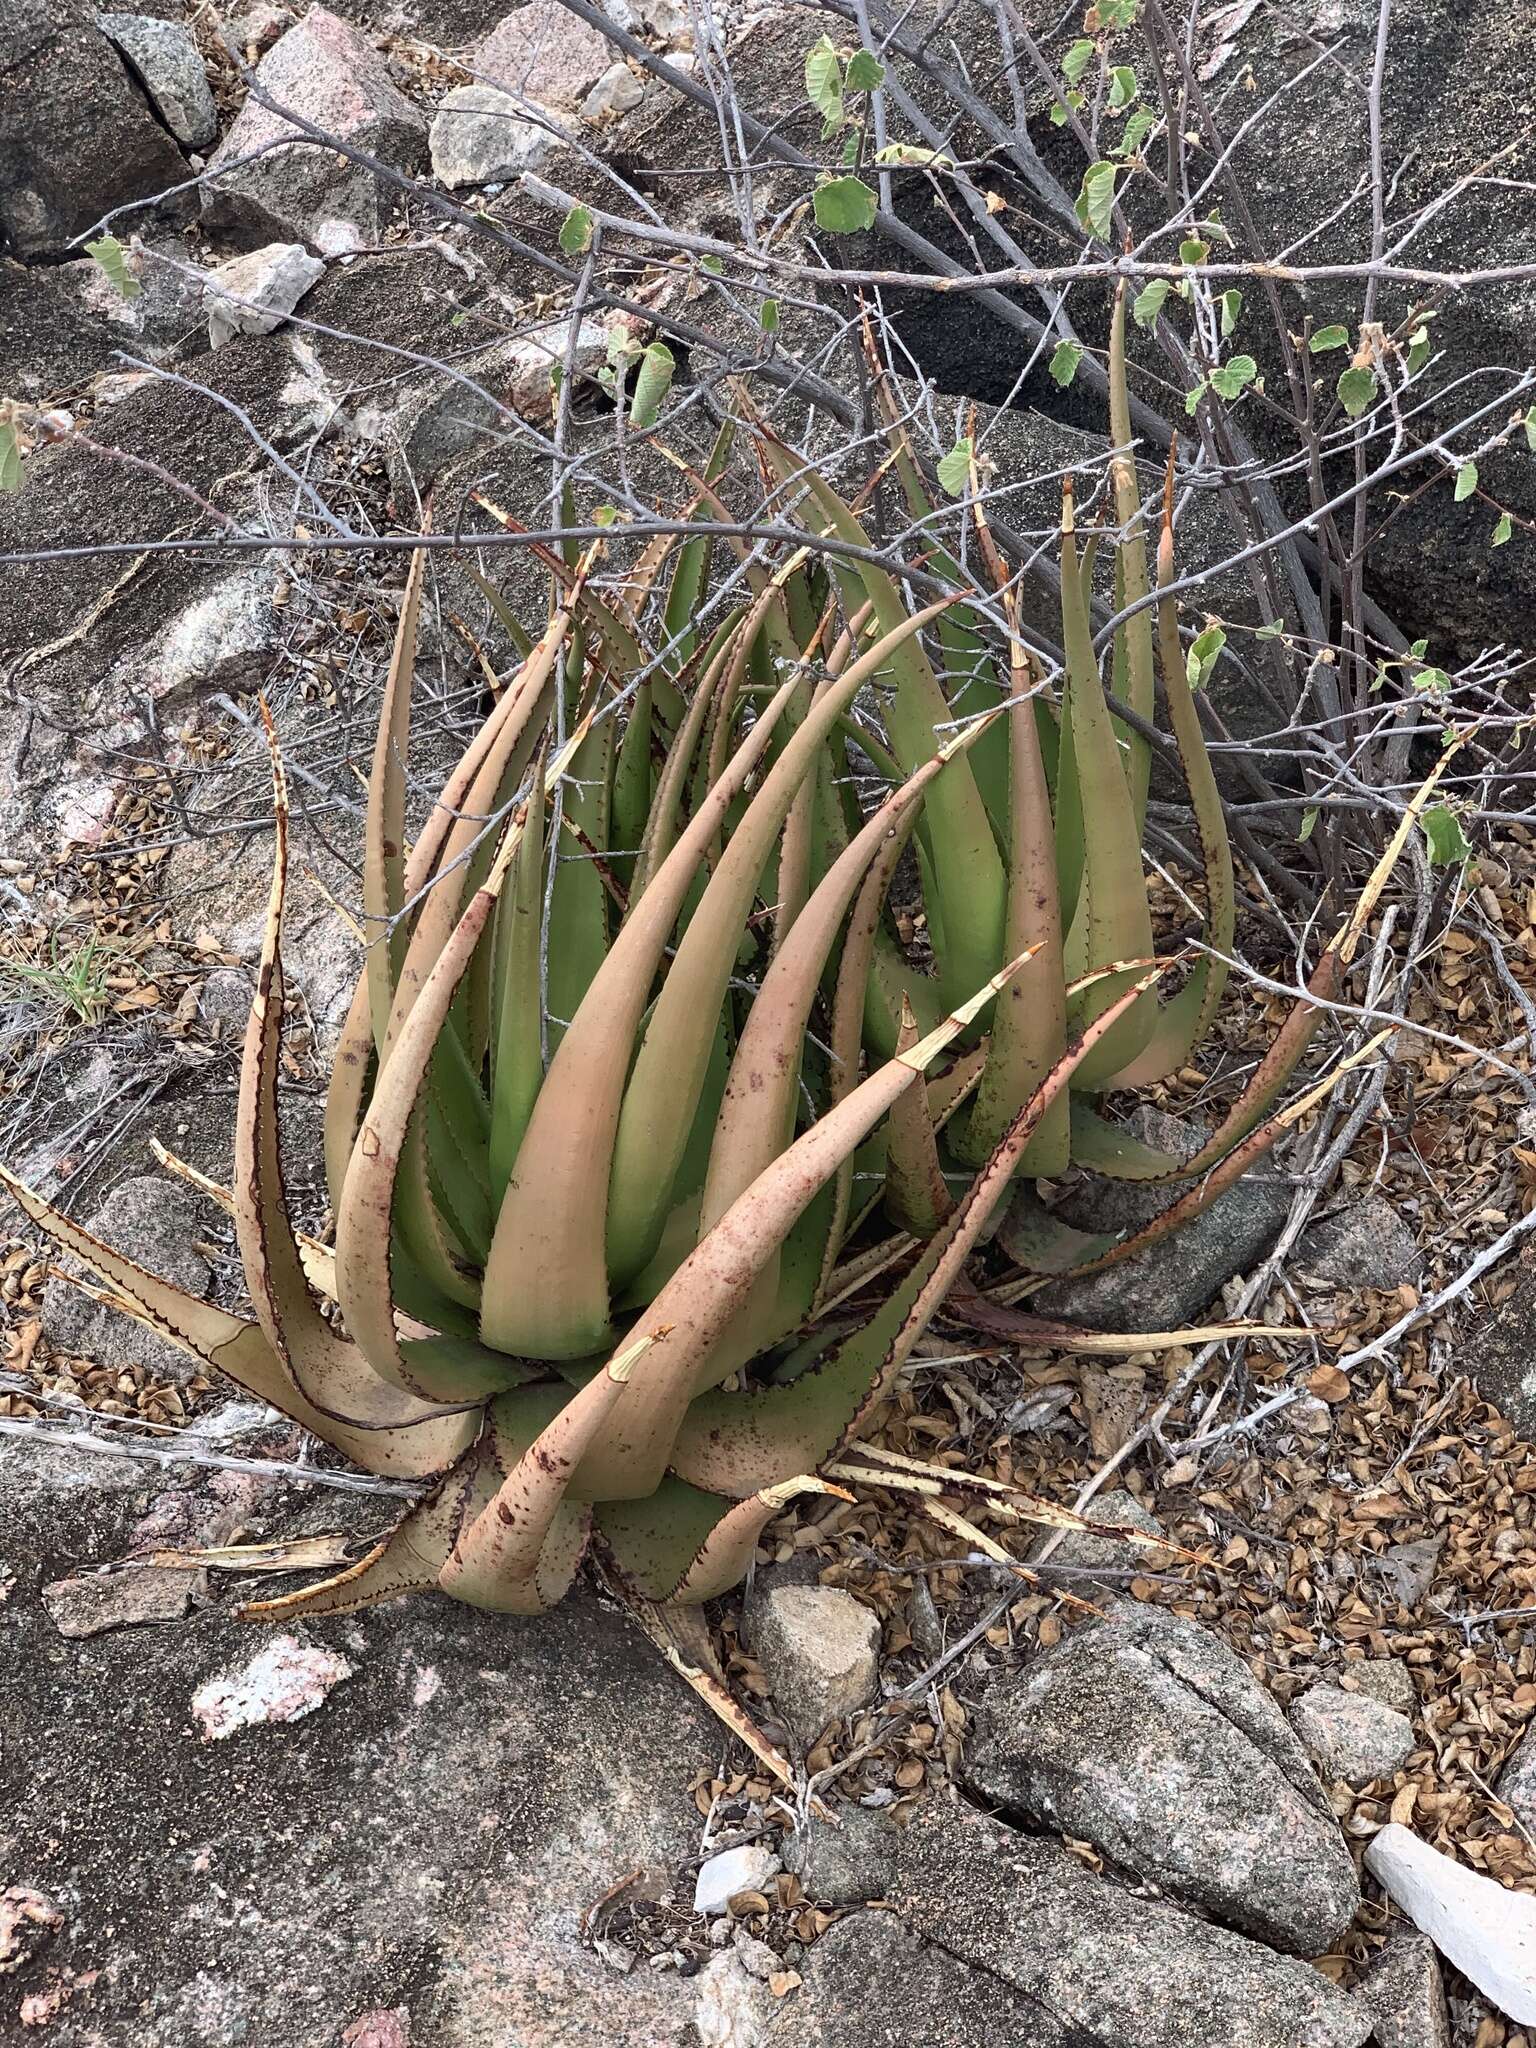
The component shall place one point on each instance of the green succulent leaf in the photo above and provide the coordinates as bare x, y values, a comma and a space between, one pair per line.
844, 206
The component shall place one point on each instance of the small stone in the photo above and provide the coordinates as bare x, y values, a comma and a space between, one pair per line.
1403, 1988
818, 1648
1351, 1737
1387, 1679
1516, 1784
618, 91
225, 999
669, 21
1487, 1932
747, 1869
482, 136
1080, 1552
1409, 1570
28, 1921
286, 1679
544, 53
254, 293
94, 1602
847, 1864
1365, 1244
164, 59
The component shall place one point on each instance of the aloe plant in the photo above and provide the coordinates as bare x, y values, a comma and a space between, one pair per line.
592, 1181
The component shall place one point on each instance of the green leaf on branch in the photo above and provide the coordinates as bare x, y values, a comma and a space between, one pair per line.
651, 385
1194, 251
1137, 129
865, 72
955, 469
1357, 390
1530, 429
10, 457
1234, 376
1122, 88
1503, 530
1418, 350
1192, 398
912, 153
1466, 481
1111, 14
1096, 200
109, 253
1308, 821
1064, 362
824, 82
1444, 837
1327, 338
768, 316
1148, 302
711, 266
1231, 304
1203, 651
576, 231
844, 206
1077, 60
1271, 631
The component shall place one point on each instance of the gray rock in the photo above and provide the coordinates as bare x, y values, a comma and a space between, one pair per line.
167, 315
1366, 1244
722, 1877
1055, 1956
1176, 1280
225, 999
254, 293
154, 1221
1409, 1570
77, 137
1119, 1508
327, 74
1499, 1351
818, 1648
93, 1602
543, 53
1352, 1738
164, 59
1388, 1679
1404, 1989
483, 136
1146, 1736
617, 92
1516, 1784
426, 1842
847, 1864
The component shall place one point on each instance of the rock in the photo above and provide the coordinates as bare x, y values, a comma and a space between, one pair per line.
748, 1869
847, 1864
543, 53
51, 348
154, 1221
96, 1601
225, 999
327, 74
668, 21
1119, 1508
1366, 1244
1487, 1932
870, 1982
1146, 1736
1079, 1961
1409, 1570
735, 2008
483, 136
164, 59
818, 1648
28, 1919
424, 1844
1352, 1738
287, 1678
167, 315
1173, 1282
1403, 1989
1388, 1679
1516, 1784
1499, 1350
77, 137
259, 26
617, 92
256, 292
379, 2029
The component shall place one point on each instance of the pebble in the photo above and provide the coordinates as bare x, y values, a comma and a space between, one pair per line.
746, 1869
818, 1647
1351, 1737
